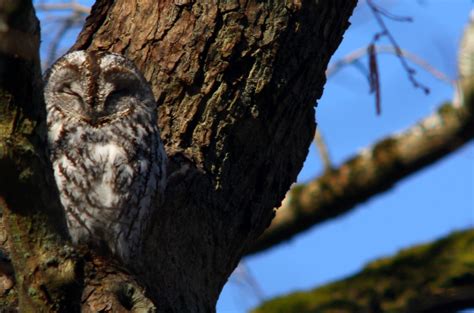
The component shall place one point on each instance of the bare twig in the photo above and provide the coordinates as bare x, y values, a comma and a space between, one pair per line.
244, 276
356, 55
374, 77
389, 15
66, 25
378, 14
64, 6
373, 74
75, 17
323, 150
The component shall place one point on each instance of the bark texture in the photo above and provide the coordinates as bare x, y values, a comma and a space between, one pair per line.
436, 277
236, 83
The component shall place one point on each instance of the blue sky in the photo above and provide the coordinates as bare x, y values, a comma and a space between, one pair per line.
423, 207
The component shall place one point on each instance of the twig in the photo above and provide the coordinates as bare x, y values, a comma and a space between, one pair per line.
374, 77
67, 24
64, 6
389, 15
244, 276
75, 18
323, 150
378, 13
360, 53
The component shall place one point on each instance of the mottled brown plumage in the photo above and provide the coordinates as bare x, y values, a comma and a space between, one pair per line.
107, 155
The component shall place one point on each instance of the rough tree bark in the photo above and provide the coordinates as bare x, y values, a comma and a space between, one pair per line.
236, 84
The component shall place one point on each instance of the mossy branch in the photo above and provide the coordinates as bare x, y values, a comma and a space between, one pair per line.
436, 277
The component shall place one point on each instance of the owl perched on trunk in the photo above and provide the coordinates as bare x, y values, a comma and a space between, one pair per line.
105, 147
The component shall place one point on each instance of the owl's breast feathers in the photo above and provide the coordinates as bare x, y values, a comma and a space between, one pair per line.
108, 159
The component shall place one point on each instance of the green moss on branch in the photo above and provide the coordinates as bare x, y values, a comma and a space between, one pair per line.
436, 277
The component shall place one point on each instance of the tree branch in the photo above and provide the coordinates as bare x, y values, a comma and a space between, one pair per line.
375, 170
436, 277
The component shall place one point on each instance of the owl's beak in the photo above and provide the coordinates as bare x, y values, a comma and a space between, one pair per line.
97, 114
100, 108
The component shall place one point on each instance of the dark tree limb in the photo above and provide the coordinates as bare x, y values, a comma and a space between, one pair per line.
375, 170
32, 220
436, 277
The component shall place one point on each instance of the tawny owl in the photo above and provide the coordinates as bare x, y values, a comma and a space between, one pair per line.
105, 147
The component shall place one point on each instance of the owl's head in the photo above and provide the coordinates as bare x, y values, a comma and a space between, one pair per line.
97, 87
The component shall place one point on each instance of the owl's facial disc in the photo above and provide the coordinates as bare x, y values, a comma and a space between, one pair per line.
98, 88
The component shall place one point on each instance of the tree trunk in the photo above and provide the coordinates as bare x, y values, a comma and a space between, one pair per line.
236, 84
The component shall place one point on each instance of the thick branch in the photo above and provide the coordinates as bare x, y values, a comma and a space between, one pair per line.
436, 277
375, 170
